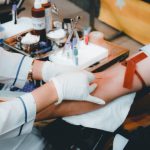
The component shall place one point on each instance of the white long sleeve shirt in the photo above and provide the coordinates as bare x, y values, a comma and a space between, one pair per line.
17, 116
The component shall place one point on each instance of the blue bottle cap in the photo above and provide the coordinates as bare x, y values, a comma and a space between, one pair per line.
75, 51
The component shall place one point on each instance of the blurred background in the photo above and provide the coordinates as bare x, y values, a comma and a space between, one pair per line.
126, 24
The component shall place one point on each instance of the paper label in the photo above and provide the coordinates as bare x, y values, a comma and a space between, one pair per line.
38, 23
48, 18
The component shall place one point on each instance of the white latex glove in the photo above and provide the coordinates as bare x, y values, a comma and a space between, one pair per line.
75, 86
50, 70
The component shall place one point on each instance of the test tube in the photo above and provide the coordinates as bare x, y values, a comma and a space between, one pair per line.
76, 56
67, 49
75, 51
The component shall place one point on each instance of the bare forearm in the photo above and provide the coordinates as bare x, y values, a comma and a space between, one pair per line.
111, 83
66, 109
106, 91
110, 87
45, 96
37, 70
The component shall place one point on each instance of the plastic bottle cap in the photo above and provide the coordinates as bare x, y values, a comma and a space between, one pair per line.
37, 4
44, 1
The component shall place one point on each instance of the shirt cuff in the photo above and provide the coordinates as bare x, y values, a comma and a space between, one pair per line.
27, 128
29, 105
23, 72
15, 71
24, 129
17, 113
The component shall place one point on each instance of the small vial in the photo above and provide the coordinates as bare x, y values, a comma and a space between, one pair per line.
48, 15
1, 35
38, 20
67, 50
76, 61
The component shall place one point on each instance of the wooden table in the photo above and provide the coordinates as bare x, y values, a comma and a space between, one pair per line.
116, 53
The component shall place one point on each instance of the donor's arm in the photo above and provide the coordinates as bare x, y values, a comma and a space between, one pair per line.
114, 82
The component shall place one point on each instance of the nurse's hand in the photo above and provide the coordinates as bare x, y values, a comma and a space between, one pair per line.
50, 70
76, 86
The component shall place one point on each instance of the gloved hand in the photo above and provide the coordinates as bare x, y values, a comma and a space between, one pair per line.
50, 70
76, 86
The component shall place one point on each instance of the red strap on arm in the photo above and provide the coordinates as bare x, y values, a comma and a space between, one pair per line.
131, 70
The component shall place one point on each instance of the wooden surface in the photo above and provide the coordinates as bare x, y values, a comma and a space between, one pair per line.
116, 53
139, 115
133, 18
134, 122
10, 43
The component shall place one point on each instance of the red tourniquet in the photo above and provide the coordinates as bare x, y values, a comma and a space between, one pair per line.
131, 70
